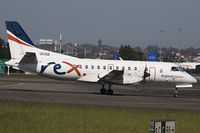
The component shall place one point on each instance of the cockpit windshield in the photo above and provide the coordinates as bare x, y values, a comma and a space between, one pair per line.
177, 69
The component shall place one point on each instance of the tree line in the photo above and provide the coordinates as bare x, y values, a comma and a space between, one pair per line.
4, 50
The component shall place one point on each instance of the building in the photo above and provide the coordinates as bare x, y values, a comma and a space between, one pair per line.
48, 44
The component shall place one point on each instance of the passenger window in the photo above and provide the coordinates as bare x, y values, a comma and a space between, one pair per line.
123, 68
117, 67
80, 66
104, 67
98, 67
129, 68
135, 68
92, 66
86, 66
161, 70
110, 67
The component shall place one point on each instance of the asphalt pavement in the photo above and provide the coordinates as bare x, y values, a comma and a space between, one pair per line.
34, 88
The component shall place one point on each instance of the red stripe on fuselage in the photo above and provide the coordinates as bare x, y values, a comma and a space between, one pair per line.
17, 40
185, 65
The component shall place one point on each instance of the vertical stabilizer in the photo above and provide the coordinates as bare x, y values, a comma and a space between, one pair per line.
18, 40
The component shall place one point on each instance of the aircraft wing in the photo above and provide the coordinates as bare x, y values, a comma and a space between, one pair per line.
121, 77
115, 76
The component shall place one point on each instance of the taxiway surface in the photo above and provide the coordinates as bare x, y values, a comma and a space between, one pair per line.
40, 89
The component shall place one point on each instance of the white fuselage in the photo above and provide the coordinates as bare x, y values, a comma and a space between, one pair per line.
90, 70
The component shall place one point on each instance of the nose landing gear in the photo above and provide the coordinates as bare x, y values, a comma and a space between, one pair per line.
176, 95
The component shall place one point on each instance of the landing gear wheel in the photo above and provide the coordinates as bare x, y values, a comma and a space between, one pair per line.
109, 92
176, 93
103, 91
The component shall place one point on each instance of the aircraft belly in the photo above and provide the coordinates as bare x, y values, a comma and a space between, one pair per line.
56, 76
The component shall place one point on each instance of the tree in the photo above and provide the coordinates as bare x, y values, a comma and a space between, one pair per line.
4, 50
128, 53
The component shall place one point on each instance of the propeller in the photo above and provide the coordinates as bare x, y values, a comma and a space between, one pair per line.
146, 74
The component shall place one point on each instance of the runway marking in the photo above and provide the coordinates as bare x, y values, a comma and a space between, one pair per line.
160, 103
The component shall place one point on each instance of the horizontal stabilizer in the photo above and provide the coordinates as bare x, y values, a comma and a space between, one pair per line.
29, 58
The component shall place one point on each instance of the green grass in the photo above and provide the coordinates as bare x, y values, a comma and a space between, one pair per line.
2, 83
19, 117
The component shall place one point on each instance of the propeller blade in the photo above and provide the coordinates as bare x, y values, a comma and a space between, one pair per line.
146, 74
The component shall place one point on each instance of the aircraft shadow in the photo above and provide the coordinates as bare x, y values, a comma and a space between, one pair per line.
92, 93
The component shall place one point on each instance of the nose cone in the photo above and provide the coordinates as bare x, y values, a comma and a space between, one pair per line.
9, 63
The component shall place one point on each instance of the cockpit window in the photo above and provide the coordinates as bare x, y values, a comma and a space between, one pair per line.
177, 69
174, 69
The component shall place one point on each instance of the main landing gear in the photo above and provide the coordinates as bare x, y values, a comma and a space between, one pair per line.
104, 91
176, 93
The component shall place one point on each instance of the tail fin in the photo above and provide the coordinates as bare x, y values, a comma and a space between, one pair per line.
18, 40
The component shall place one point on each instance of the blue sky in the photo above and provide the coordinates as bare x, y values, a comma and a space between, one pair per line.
116, 22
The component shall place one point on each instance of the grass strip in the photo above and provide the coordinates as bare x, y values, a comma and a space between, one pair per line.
2, 83
22, 117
